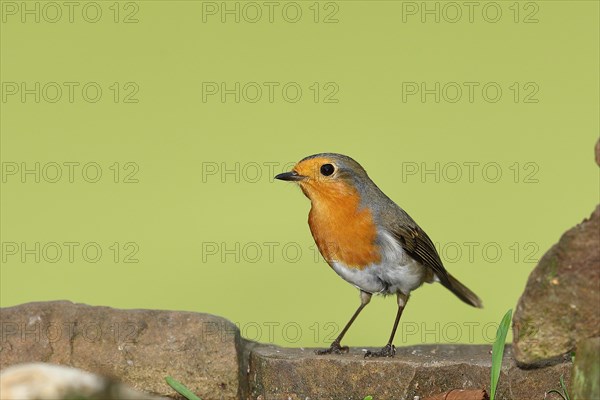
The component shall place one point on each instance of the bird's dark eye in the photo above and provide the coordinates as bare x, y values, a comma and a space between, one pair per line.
327, 169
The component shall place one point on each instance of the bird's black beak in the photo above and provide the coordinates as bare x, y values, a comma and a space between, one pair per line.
289, 176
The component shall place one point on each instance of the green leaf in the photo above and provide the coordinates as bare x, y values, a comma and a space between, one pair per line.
498, 352
181, 389
562, 396
564, 388
368, 398
563, 393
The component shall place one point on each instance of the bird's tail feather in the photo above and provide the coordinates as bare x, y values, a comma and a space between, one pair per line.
462, 292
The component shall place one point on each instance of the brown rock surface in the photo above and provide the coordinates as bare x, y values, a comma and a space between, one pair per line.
460, 394
279, 374
560, 302
137, 347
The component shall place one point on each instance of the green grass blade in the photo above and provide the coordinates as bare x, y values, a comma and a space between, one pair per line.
181, 389
562, 396
498, 352
564, 388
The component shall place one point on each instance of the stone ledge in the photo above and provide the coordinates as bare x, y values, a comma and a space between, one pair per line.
206, 353
137, 347
276, 373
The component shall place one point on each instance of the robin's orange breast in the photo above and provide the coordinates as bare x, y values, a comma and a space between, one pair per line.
342, 230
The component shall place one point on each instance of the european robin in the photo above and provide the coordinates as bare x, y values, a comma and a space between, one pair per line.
367, 239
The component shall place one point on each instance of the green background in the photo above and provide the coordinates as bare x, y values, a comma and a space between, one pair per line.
176, 209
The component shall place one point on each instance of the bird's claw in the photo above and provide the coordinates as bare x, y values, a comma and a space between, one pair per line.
388, 351
335, 348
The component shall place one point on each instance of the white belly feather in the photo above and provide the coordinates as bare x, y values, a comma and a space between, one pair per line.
396, 272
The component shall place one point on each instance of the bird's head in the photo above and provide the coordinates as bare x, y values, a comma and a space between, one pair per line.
328, 175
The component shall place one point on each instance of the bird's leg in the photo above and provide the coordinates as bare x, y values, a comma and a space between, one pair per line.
389, 350
336, 347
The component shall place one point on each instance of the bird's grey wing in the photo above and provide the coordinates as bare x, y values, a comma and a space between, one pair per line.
419, 246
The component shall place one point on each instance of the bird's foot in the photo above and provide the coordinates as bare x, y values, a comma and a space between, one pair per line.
335, 348
388, 351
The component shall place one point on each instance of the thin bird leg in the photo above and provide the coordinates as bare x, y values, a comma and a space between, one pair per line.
389, 350
336, 347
